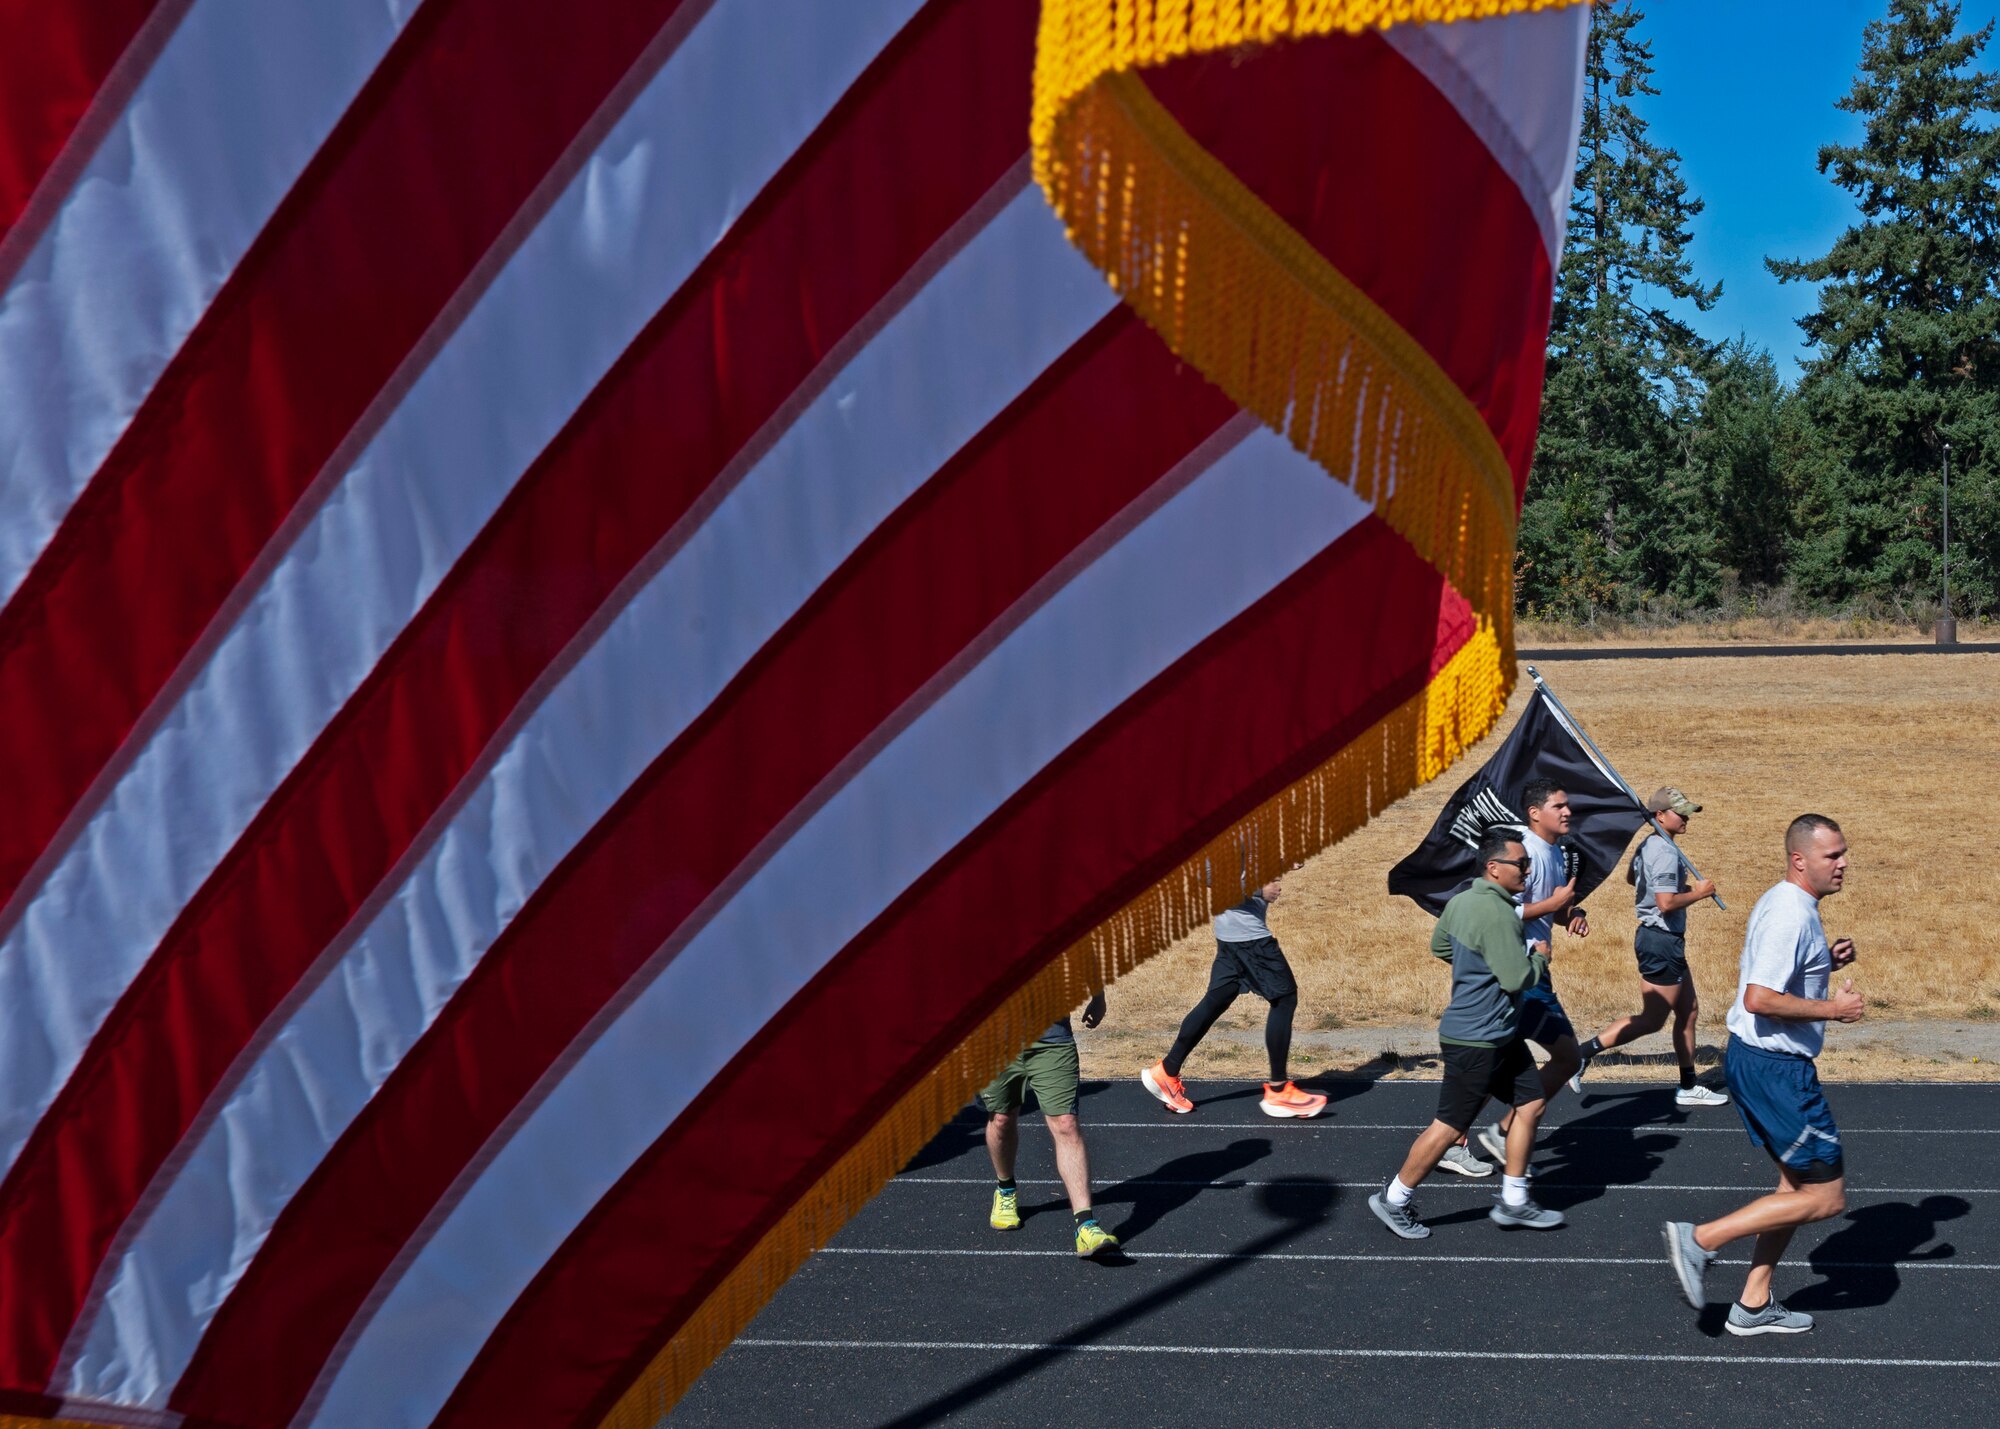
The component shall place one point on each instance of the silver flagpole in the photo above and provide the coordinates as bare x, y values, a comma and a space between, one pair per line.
1575, 727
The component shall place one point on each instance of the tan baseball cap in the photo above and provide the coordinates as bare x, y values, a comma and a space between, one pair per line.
1668, 797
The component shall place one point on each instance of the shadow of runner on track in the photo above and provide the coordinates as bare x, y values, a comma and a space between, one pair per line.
1302, 1203
963, 1134
1572, 1168
1859, 1260
1160, 1192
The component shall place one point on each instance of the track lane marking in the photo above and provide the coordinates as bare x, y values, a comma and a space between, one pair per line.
1318, 1352
1418, 1258
1544, 1131
1462, 1184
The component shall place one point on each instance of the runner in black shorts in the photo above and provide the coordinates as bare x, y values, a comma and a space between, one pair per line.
1548, 895
1662, 896
1247, 959
1480, 1038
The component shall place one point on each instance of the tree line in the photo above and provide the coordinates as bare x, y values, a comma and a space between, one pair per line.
1674, 475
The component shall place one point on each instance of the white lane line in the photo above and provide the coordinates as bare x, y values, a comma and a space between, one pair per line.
1606, 1089
1317, 1125
1231, 1183
1763, 1362
1418, 1258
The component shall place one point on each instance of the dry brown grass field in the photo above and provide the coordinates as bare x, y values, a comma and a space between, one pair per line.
1903, 750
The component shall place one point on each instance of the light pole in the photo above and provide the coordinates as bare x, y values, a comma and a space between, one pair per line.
1947, 628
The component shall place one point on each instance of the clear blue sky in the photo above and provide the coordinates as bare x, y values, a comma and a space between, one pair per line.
1747, 89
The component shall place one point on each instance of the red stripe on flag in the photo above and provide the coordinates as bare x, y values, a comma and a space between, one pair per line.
63, 74
418, 183
1377, 620
1096, 431
642, 450
1286, 123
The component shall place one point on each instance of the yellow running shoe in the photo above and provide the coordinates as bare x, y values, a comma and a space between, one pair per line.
1092, 1238
1006, 1214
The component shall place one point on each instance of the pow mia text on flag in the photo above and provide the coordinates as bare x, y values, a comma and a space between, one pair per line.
1603, 817
1482, 812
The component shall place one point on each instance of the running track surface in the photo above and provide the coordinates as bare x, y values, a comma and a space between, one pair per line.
1260, 1290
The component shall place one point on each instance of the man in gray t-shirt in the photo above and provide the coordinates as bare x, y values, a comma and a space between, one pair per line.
1661, 895
1656, 869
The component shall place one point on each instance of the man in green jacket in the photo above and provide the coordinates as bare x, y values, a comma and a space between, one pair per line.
1480, 1038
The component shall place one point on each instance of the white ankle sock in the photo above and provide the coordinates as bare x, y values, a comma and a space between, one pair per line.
1514, 1190
1397, 1194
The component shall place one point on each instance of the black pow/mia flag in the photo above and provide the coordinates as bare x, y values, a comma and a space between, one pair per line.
1603, 817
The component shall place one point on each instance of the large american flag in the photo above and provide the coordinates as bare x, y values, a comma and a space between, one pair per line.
590, 588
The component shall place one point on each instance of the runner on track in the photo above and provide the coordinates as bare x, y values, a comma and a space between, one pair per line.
1247, 959
1666, 986
1546, 897
1049, 1068
1776, 1029
1480, 1039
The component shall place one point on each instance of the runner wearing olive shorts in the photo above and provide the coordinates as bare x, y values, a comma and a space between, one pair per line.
1048, 1068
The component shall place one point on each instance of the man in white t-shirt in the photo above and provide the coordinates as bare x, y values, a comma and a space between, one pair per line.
1776, 1028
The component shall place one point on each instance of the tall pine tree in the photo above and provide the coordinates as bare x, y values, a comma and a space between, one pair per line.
1908, 325
1609, 516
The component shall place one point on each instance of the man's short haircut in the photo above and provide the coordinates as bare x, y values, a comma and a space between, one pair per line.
1799, 833
1538, 792
1493, 844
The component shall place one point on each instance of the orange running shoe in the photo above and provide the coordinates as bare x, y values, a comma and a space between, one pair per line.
1288, 1100
1167, 1087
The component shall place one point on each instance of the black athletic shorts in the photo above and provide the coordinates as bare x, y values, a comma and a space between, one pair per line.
1257, 966
1472, 1074
1662, 956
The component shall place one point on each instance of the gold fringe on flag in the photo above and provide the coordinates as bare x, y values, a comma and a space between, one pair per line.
1409, 746
1236, 291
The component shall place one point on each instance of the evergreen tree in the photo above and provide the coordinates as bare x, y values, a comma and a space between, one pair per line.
1908, 324
1738, 444
1604, 523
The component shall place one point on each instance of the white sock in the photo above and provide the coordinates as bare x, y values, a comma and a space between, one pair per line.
1514, 1189
1396, 1193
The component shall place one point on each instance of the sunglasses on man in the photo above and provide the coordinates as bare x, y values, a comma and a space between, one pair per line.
1524, 864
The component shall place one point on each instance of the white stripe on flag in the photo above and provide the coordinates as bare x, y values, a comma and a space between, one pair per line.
214, 136
735, 100
1518, 81
985, 327
1121, 621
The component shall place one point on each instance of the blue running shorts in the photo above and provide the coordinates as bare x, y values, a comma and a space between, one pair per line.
1778, 1096
1542, 1017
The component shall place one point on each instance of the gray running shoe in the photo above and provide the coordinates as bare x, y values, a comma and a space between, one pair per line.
1576, 1077
1773, 1319
1527, 1216
1495, 1142
1400, 1219
1698, 1095
1690, 1261
1460, 1159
